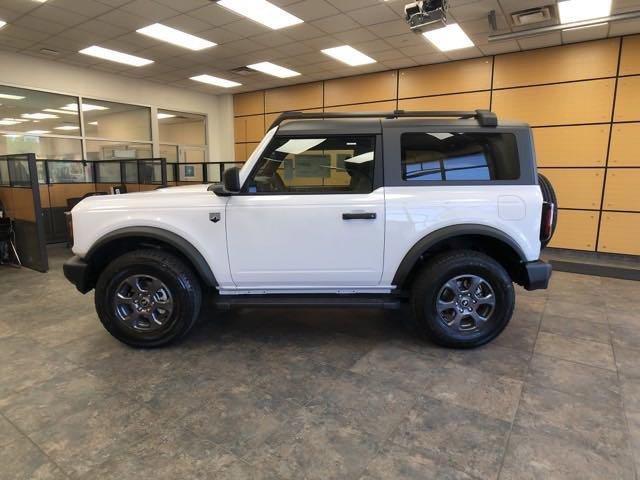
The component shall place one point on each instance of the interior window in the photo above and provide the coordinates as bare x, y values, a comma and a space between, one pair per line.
328, 164
459, 156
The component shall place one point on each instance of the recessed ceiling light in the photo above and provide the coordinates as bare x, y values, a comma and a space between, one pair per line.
349, 55
2, 23
67, 127
11, 97
55, 110
93, 123
448, 38
115, 56
162, 116
175, 37
262, 12
12, 135
273, 69
37, 132
8, 121
86, 107
38, 116
578, 10
219, 82
601, 24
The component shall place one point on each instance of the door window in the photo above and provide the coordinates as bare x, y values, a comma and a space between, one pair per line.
328, 164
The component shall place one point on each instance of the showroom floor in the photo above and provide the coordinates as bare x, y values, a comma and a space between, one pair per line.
320, 394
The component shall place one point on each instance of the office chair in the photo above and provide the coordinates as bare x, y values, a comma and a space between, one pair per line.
7, 241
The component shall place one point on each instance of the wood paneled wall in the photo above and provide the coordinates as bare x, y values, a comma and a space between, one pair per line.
582, 100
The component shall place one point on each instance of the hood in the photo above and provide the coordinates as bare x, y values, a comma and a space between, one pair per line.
170, 197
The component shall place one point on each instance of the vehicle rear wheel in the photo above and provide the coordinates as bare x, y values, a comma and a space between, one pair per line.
462, 299
148, 298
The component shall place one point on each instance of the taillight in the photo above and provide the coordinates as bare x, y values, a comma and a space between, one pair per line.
69, 228
546, 227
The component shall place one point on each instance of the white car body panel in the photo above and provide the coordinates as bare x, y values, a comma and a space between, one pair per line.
415, 212
180, 210
278, 241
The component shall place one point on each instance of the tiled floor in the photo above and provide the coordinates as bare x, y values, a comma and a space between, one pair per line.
267, 394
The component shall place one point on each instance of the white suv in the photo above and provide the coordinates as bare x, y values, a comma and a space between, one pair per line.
443, 210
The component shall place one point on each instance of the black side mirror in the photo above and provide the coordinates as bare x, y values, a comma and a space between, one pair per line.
230, 183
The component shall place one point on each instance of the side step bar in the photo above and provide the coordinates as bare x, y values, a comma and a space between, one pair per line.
283, 300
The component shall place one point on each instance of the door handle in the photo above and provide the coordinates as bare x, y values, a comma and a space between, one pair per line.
359, 216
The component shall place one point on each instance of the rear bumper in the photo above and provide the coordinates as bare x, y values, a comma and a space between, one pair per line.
76, 270
536, 275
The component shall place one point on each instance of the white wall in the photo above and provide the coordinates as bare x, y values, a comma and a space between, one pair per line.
29, 72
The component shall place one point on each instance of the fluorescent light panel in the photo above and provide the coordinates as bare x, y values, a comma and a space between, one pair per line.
67, 127
11, 97
217, 81
262, 12
162, 116
2, 23
38, 132
115, 56
56, 110
273, 69
86, 107
38, 116
578, 10
448, 38
175, 37
349, 55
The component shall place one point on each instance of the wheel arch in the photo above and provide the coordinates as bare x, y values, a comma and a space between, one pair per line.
128, 238
482, 238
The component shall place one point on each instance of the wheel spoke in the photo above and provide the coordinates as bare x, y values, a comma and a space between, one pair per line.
488, 300
123, 299
477, 318
444, 305
143, 302
453, 286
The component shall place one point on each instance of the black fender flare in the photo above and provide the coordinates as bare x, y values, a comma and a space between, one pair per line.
428, 241
154, 233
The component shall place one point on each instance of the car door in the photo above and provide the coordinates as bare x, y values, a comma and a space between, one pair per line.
311, 215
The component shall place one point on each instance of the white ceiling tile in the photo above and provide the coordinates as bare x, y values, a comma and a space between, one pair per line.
336, 23
373, 15
15, 31
303, 31
392, 54
184, 5
390, 29
38, 24
347, 5
215, 15
272, 39
371, 47
123, 19
473, 10
540, 41
308, 10
149, 9
246, 28
625, 28
187, 24
88, 8
464, 53
430, 58
354, 36
400, 63
219, 35
584, 34
21, 6
495, 48
406, 40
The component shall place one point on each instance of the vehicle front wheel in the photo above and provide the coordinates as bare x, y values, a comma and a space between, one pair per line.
462, 299
148, 298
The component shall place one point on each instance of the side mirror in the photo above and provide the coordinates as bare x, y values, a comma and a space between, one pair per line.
230, 183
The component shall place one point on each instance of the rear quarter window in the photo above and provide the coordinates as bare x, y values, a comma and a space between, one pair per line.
459, 156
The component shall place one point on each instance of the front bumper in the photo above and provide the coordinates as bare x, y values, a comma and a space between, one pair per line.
536, 275
76, 270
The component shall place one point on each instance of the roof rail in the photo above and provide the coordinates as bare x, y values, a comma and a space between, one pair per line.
485, 118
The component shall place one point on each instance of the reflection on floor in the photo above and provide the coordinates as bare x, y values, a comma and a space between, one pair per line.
324, 394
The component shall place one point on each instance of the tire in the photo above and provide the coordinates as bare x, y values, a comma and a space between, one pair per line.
440, 277
549, 195
148, 298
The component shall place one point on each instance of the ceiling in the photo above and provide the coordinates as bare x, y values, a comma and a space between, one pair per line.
376, 27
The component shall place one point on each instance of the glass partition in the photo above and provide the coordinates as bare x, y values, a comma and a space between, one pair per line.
108, 172
105, 150
69, 172
116, 121
191, 172
43, 147
182, 128
38, 113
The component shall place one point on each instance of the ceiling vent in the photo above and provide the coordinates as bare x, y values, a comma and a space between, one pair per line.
532, 16
49, 52
244, 71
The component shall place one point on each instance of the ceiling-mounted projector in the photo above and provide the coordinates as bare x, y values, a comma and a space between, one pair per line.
426, 15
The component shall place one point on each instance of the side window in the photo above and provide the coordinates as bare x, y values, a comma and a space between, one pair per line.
459, 156
329, 164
